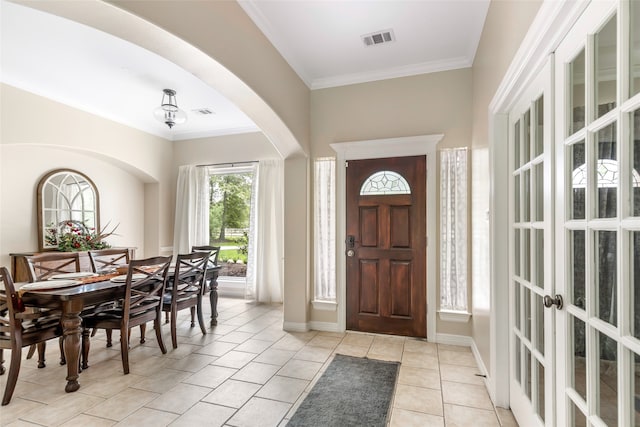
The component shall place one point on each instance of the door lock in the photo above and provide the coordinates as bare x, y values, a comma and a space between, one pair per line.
351, 241
550, 301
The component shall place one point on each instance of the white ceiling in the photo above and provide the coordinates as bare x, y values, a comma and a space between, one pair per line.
321, 40
112, 78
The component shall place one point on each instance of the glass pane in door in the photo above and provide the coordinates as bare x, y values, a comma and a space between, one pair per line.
539, 324
539, 131
576, 99
516, 252
516, 145
538, 279
526, 254
579, 358
518, 360
526, 196
516, 304
606, 276
516, 198
526, 372
527, 313
577, 254
634, 54
577, 417
635, 161
577, 176
538, 191
606, 71
608, 386
635, 283
526, 137
635, 389
607, 174
540, 388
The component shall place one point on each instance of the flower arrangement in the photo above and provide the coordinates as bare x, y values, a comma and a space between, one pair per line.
73, 235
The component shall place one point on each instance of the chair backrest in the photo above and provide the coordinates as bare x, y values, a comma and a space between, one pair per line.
214, 251
9, 305
144, 294
108, 259
41, 324
190, 271
43, 266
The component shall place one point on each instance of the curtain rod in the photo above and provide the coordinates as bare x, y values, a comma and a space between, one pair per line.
232, 164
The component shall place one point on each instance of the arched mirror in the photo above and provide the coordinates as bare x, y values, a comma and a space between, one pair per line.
66, 200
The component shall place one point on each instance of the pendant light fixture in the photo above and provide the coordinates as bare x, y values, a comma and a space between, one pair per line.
168, 112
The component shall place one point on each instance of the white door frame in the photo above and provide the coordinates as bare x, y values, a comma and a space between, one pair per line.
375, 149
552, 23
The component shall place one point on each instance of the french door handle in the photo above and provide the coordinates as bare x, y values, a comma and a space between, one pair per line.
549, 301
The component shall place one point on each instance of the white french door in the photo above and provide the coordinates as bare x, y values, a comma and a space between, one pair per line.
531, 336
597, 229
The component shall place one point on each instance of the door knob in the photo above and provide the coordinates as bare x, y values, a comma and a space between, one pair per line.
350, 252
550, 301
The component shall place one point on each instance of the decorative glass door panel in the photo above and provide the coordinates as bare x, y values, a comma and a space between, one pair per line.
531, 328
598, 217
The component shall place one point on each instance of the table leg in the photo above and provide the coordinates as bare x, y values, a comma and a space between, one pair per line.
71, 326
213, 299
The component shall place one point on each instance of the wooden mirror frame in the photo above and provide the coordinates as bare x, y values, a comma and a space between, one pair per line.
46, 181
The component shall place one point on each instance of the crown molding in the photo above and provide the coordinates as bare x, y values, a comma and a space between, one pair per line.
392, 73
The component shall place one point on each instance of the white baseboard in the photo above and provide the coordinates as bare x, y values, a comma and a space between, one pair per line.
450, 339
483, 370
295, 327
324, 326
469, 342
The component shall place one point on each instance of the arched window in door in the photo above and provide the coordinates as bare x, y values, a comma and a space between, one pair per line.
385, 182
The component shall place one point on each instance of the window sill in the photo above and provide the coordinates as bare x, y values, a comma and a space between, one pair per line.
454, 316
325, 305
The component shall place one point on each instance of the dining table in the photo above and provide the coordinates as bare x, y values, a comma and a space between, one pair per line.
87, 292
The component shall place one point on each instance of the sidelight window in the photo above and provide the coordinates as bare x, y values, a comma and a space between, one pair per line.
324, 230
453, 222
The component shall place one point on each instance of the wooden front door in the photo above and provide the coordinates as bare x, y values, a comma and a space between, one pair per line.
386, 245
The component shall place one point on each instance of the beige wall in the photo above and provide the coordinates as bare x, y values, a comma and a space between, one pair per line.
222, 30
418, 105
506, 25
38, 135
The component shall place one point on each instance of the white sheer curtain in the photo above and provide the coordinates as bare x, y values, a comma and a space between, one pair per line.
453, 222
266, 282
192, 209
324, 230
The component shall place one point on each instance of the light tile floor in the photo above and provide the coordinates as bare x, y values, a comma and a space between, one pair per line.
245, 372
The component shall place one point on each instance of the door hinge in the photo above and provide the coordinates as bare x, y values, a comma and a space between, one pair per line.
346, 164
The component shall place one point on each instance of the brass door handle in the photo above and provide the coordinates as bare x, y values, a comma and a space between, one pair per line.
551, 301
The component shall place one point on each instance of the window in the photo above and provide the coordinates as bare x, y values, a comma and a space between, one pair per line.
230, 207
385, 182
324, 230
453, 222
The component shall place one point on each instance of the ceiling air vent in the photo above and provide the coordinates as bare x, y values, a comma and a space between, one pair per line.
379, 37
203, 111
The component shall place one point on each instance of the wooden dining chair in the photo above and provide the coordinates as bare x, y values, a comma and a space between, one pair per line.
211, 278
140, 302
108, 260
185, 290
42, 267
45, 265
21, 327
